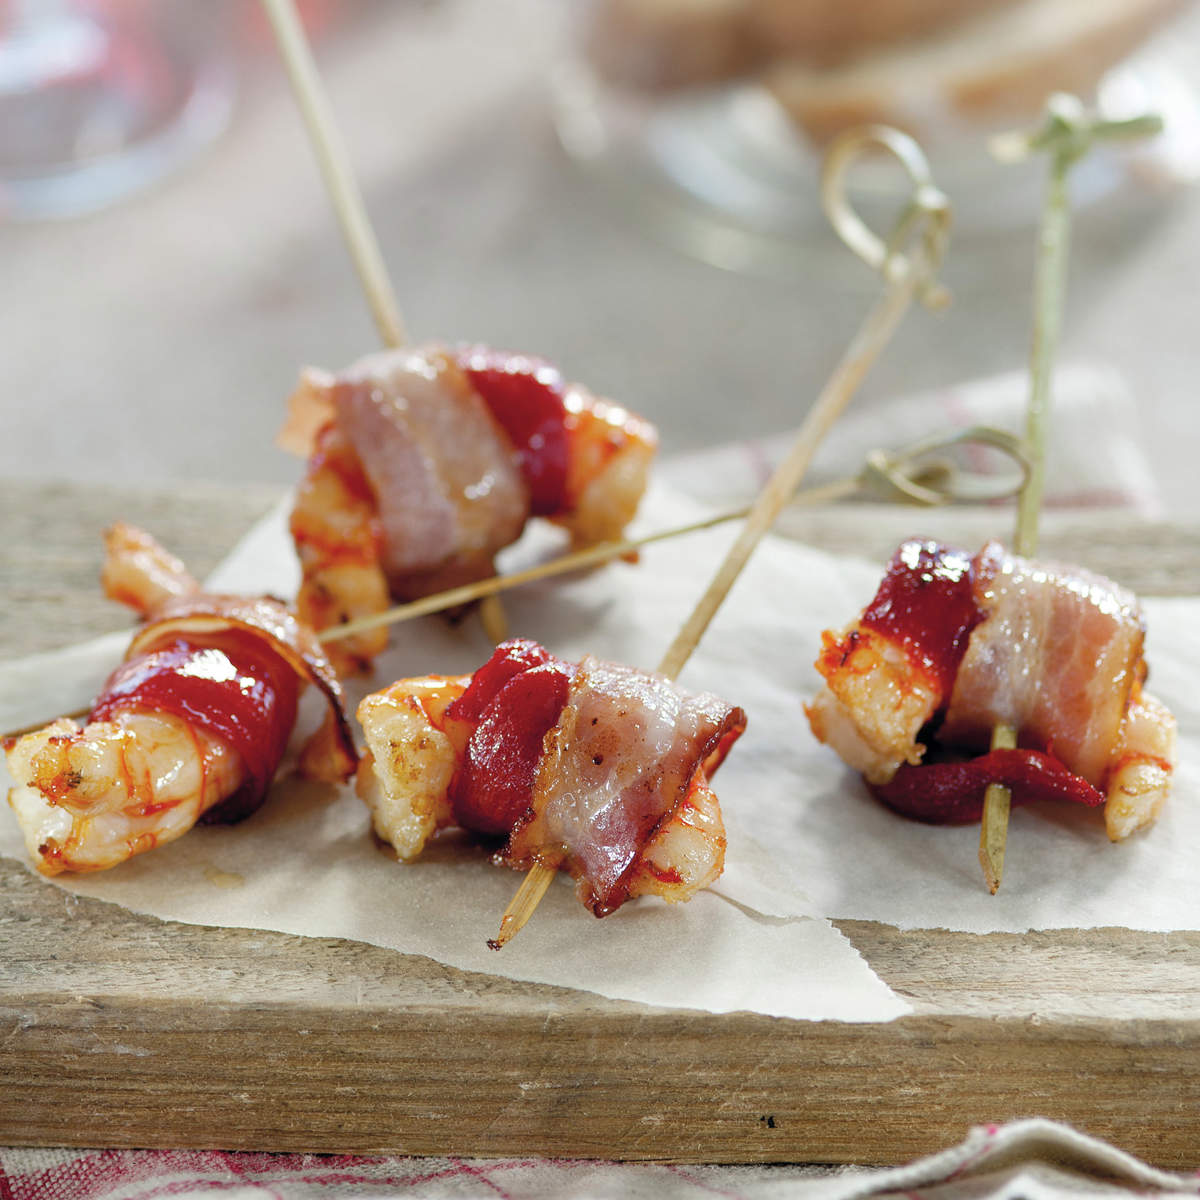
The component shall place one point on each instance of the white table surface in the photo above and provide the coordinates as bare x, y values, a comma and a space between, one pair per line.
158, 340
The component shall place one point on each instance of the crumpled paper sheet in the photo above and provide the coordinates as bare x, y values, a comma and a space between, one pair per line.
1034, 1160
753, 942
306, 864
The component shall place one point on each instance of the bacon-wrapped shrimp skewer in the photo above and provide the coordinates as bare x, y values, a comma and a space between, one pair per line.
954, 644
424, 463
190, 727
597, 768
436, 457
908, 276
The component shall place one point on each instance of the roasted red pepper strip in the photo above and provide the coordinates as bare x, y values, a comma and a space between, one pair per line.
231, 684
951, 793
494, 787
508, 659
516, 697
926, 603
527, 397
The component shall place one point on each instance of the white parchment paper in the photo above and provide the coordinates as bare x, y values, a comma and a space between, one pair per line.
305, 864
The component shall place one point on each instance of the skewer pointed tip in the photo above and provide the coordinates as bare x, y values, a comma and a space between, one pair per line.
521, 907
993, 835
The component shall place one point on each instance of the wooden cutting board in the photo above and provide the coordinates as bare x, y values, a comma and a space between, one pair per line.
120, 1030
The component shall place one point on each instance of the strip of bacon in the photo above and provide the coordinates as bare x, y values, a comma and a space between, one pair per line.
330, 754
514, 700
233, 686
617, 765
926, 602
526, 396
1056, 656
447, 488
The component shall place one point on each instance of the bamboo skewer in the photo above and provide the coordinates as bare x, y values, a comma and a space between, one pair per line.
348, 204
334, 163
902, 473
577, 560
928, 214
925, 223
898, 471
1067, 133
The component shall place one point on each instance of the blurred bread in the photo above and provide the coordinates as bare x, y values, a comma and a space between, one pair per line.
669, 43
1000, 63
676, 43
828, 32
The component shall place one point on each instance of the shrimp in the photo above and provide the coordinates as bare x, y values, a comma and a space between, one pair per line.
191, 726
89, 798
335, 528
413, 751
890, 671
1140, 778
140, 573
687, 853
875, 702
609, 454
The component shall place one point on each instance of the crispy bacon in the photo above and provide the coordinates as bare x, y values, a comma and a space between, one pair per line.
203, 614
926, 602
616, 766
231, 685
527, 397
514, 700
448, 491
1056, 656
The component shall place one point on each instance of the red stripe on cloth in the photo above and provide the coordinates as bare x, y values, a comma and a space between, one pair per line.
142, 1174
482, 1176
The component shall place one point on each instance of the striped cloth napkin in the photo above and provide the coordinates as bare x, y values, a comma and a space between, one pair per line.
1033, 1160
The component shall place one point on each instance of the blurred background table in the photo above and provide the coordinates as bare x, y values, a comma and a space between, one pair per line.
157, 340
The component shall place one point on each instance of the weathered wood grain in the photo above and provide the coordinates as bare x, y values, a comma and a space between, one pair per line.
123, 1030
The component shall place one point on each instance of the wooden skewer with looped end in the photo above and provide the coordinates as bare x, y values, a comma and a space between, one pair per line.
348, 204
1067, 133
908, 261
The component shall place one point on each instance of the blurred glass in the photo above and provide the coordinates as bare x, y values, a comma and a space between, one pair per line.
710, 116
100, 99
